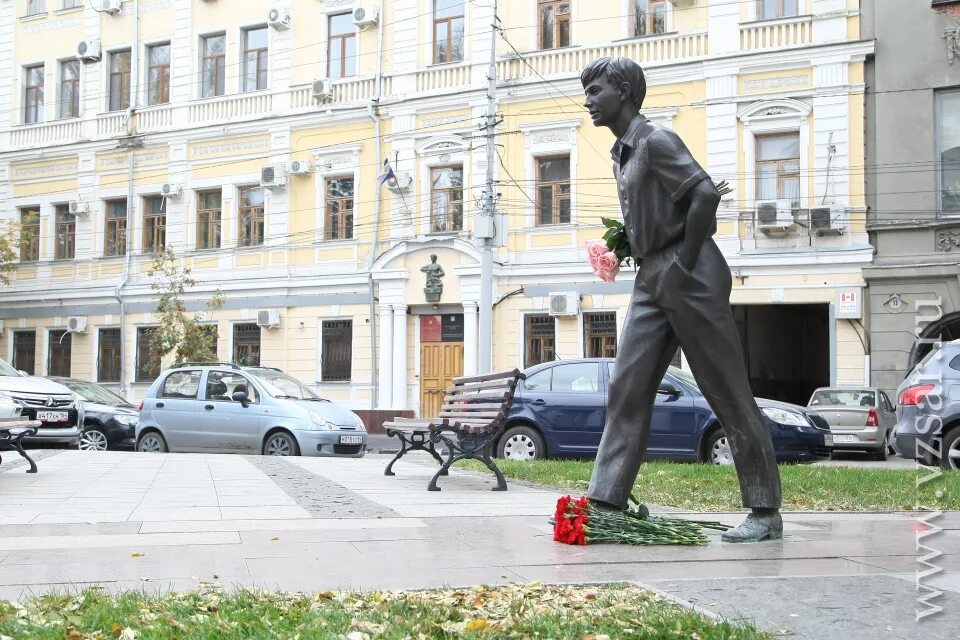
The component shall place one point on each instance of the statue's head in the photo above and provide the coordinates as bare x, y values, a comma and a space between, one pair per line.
610, 85
433, 257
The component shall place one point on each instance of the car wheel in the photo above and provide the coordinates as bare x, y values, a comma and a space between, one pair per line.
152, 442
951, 450
718, 448
93, 440
881, 453
280, 443
521, 443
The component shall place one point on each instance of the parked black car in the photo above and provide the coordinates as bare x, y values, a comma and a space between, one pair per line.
109, 421
561, 407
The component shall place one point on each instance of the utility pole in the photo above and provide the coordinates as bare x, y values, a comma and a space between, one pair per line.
485, 222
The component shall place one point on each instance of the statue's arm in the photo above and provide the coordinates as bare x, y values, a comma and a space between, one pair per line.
701, 221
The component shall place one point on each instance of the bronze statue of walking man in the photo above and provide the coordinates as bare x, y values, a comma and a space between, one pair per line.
681, 297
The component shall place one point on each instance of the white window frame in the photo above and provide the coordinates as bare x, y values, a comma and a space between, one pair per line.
769, 117
333, 7
339, 161
444, 150
426, 28
145, 70
627, 29
545, 140
242, 57
937, 128
59, 91
42, 110
754, 16
107, 59
198, 85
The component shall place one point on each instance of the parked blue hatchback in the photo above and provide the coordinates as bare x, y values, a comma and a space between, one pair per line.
561, 407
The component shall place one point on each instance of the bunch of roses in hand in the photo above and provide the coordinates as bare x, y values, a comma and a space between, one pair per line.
607, 255
579, 521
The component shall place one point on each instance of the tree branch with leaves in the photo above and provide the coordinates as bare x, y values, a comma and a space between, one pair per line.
186, 336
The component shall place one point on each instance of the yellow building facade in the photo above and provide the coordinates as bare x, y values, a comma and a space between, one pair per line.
250, 137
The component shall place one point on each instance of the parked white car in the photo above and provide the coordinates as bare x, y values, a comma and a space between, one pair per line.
56, 407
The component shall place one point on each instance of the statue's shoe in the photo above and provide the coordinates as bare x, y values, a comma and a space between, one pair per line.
756, 528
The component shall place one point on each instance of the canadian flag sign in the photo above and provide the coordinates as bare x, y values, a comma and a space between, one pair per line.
849, 302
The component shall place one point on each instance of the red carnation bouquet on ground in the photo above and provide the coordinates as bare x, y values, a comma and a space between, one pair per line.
579, 521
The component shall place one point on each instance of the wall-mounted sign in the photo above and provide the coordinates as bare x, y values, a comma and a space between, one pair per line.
849, 302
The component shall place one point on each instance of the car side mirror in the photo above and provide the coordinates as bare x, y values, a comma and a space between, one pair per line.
241, 397
668, 389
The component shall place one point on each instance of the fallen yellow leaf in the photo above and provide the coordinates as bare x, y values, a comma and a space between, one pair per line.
136, 554
477, 624
274, 538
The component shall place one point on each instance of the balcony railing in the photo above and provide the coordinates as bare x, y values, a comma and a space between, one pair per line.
776, 34
111, 124
37, 135
443, 77
652, 51
155, 118
345, 91
233, 107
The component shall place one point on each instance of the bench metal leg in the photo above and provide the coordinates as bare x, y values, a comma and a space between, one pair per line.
15, 443
416, 442
487, 460
445, 467
403, 449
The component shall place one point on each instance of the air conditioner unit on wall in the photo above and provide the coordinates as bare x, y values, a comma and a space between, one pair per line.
77, 324
77, 208
828, 218
273, 176
111, 6
88, 50
775, 214
365, 16
300, 167
279, 18
323, 90
564, 303
268, 318
170, 190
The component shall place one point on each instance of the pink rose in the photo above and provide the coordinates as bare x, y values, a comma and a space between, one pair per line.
596, 248
607, 266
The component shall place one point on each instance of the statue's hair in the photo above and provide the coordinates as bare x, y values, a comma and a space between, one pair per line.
618, 70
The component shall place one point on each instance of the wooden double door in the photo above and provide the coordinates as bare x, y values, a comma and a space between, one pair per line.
440, 362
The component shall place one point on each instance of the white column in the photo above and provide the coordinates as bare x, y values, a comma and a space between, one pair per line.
399, 356
385, 382
470, 337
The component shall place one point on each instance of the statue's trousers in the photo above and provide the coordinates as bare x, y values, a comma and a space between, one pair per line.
672, 306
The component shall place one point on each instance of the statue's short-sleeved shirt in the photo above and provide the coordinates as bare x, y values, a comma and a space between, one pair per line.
654, 172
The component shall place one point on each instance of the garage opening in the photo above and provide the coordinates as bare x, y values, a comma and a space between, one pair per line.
786, 349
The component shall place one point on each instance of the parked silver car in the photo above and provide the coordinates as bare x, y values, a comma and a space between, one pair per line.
222, 407
58, 409
928, 409
860, 419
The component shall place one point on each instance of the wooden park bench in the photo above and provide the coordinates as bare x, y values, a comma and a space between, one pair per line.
12, 431
473, 415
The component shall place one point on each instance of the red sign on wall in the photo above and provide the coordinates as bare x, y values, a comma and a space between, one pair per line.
431, 329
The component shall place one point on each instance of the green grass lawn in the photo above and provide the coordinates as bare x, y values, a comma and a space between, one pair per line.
703, 487
515, 611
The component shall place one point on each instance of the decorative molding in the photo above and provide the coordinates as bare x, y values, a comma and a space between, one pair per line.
441, 144
947, 239
50, 26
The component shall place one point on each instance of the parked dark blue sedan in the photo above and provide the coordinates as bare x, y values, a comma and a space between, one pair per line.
560, 410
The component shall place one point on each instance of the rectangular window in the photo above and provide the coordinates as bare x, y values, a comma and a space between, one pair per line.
447, 31
212, 65
59, 345
70, 4
772, 9
600, 335
154, 224
554, 23
342, 46
778, 168
36, 6
115, 228
33, 94
148, 363
158, 74
119, 80
251, 217
108, 356
553, 190
948, 149
649, 17
69, 105
182, 384
539, 336
209, 209
446, 199
339, 223
255, 59
66, 241
29, 235
337, 346
25, 351
246, 344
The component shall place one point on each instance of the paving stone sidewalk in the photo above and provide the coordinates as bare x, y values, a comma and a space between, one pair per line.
169, 521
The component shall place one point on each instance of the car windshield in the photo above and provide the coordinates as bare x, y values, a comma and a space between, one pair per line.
7, 370
94, 393
280, 385
844, 397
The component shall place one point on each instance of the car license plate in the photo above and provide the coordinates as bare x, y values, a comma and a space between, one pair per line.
351, 439
845, 439
53, 416
828, 440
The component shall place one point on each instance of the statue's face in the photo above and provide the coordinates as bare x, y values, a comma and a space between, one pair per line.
603, 100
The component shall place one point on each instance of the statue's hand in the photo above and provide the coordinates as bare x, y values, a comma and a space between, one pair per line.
723, 187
